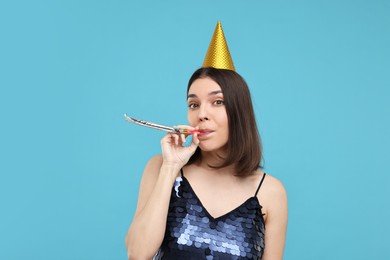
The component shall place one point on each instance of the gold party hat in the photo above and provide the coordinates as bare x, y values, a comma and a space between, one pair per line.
218, 55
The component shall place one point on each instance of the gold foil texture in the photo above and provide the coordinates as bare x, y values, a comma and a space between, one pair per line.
218, 55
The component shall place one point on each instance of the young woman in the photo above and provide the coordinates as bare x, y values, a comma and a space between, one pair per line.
211, 200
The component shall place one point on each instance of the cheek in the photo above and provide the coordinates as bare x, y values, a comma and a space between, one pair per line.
223, 119
226, 125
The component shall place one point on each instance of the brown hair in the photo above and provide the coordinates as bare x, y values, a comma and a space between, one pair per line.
244, 149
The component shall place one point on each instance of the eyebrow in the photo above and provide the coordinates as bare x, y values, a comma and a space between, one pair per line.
209, 94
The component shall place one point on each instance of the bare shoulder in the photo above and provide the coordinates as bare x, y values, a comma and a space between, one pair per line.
273, 197
154, 162
152, 169
148, 180
273, 186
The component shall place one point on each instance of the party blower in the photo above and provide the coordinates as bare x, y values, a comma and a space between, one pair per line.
169, 129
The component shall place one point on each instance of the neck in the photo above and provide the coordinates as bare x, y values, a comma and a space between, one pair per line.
208, 159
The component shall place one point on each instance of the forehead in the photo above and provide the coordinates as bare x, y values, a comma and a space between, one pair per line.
203, 86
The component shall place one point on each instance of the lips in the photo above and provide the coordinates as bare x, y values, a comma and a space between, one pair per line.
205, 132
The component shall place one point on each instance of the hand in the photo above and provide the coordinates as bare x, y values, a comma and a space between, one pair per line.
173, 150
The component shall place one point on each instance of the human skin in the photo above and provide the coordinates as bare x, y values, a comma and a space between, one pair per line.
220, 190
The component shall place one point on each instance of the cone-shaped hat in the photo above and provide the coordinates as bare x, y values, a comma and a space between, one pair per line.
218, 55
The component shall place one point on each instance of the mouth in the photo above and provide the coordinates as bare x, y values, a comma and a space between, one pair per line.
205, 132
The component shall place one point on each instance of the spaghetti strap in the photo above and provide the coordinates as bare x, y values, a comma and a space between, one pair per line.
181, 172
261, 182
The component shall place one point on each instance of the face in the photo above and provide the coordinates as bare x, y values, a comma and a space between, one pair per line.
206, 110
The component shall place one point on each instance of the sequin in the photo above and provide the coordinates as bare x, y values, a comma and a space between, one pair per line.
192, 233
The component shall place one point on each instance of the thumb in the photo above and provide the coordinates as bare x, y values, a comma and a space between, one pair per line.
195, 142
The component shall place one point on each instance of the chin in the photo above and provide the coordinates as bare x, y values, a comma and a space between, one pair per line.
211, 147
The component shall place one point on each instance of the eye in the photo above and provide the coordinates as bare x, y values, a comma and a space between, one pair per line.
192, 105
219, 102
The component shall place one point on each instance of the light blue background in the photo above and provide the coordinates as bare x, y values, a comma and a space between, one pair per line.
70, 165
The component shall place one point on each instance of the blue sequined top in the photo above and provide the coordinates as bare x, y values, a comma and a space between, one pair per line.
192, 233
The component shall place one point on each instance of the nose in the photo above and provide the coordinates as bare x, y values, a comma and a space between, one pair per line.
203, 115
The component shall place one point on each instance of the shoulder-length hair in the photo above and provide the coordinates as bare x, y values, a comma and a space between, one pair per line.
244, 149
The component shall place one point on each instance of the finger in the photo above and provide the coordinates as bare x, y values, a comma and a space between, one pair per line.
167, 138
176, 139
195, 139
183, 138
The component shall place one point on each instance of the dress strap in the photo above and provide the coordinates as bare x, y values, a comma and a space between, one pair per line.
261, 182
181, 172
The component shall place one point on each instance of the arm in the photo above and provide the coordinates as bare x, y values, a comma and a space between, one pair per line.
147, 230
276, 221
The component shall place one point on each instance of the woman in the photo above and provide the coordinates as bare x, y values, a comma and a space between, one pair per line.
210, 200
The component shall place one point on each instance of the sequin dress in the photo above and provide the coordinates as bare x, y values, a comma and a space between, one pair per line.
192, 233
